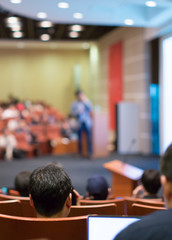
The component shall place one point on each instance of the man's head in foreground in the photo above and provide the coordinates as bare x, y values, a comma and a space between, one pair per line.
156, 226
50, 191
166, 175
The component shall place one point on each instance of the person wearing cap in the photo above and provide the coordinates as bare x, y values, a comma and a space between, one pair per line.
82, 110
97, 188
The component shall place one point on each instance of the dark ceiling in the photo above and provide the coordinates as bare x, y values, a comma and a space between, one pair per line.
32, 31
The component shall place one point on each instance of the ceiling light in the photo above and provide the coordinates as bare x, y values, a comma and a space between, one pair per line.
41, 15
73, 34
76, 28
45, 24
16, 1
150, 4
63, 5
45, 37
16, 28
78, 15
17, 34
12, 19
13, 22
129, 22
16, 25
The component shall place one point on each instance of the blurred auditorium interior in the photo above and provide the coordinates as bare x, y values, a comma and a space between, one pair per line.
113, 51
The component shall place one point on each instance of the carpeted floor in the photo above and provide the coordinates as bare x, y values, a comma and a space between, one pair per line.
78, 169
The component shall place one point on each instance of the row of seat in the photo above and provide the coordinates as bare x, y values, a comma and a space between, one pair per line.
18, 219
124, 206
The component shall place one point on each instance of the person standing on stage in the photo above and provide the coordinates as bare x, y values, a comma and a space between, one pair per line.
82, 110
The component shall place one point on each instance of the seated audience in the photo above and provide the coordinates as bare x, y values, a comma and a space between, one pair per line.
65, 129
8, 142
50, 191
10, 112
23, 127
13, 123
97, 188
156, 226
150, 185
21, 183
30, 122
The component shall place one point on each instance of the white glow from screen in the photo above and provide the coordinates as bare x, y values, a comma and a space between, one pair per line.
106, 228
166, 94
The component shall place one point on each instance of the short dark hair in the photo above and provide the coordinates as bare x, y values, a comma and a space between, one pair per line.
166, 163
21, 183
151, 180
49, 188
78, 91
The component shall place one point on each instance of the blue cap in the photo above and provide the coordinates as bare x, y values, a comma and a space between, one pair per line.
97, 185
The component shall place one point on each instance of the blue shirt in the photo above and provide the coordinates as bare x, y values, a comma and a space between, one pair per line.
82, 110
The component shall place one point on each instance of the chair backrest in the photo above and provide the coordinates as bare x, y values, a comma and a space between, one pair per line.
9, 191
27, 210
150, 202
119, 203
13, 192
53, 131
141, 209
105, 209
36, 228
11, 207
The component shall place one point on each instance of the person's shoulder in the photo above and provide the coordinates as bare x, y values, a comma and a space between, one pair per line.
74, 104
88, 103
155, 224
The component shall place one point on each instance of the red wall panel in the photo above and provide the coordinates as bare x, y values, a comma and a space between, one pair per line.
115, 81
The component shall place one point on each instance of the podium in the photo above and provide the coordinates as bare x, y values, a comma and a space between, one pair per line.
100, 134
124, 177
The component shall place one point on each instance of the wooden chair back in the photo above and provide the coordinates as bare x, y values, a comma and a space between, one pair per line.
53, 132
150, 202
105, 209
141, 209
39, 131
27, 210
119, 203
13, 192
11, 207
40, 228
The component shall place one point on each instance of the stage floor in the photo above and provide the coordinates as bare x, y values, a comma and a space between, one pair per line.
78, 169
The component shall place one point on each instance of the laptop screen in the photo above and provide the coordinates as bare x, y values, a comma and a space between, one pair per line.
107, 227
